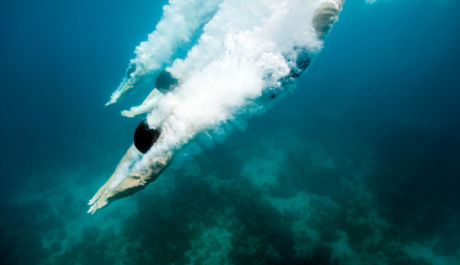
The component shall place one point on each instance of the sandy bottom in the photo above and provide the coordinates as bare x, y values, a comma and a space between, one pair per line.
284, 197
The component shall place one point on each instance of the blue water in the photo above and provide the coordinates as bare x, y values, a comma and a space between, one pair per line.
359, 165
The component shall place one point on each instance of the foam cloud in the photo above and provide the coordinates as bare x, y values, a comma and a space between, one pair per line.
175, 29
248, 53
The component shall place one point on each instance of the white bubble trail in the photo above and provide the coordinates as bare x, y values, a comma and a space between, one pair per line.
181, 20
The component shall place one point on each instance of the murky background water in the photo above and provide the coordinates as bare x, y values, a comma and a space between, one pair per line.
359, 165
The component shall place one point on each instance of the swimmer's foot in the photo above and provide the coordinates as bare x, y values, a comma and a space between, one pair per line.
325, 16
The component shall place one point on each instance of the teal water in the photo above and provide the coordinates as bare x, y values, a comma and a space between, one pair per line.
358, 165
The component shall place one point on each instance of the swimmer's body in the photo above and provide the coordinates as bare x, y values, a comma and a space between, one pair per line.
140, 166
